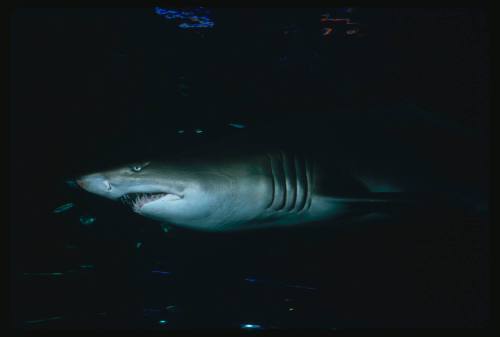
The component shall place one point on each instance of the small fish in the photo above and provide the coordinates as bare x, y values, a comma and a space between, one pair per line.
87, 219
64, 208
237, 125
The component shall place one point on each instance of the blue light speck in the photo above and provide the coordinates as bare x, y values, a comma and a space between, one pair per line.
250, 326
196, 20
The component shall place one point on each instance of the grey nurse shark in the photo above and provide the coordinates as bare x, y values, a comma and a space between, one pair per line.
226, 193
265, 188
271, 189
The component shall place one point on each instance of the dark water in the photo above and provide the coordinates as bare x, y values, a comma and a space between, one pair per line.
92, 88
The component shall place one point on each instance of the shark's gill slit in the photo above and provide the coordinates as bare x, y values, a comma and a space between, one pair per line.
279, 183
308, 172
284, 179
273, 183
290, 181
301, 183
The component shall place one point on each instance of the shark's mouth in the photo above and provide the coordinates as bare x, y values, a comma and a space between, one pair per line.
138, 200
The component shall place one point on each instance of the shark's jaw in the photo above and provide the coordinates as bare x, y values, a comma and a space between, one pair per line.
138, 200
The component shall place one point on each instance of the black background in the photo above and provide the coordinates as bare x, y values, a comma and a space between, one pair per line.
95, 87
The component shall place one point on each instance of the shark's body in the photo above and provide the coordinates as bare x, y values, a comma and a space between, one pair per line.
396, 156
224, 193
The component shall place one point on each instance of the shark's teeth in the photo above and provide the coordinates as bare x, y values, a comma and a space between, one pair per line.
137, 200
171, 197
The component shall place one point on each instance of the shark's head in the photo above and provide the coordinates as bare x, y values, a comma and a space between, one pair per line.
176, 193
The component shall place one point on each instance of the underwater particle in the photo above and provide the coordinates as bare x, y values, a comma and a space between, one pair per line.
183, 89
138, 245
87, 266
171, 308
161, 272
162, 322
43, 320
151, 310
352, 31
291, 309
180, 131
283, 59
70, 246
237, 125
206, 24
250, 326
64, 208
197, 18
327, 31
71, 183
87, 219
43, 274
288, 29
350, 28
300, 287
198, 131
160, 11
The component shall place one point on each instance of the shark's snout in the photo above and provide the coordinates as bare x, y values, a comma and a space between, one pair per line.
95, 183
80, 183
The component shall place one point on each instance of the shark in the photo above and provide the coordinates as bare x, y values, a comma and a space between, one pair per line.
343, 172
239, 192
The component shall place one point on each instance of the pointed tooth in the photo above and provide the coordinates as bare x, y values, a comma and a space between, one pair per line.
171, 197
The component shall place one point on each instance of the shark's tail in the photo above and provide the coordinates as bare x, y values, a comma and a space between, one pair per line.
391, 201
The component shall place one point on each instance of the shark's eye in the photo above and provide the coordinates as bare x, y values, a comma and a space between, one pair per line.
136, 168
